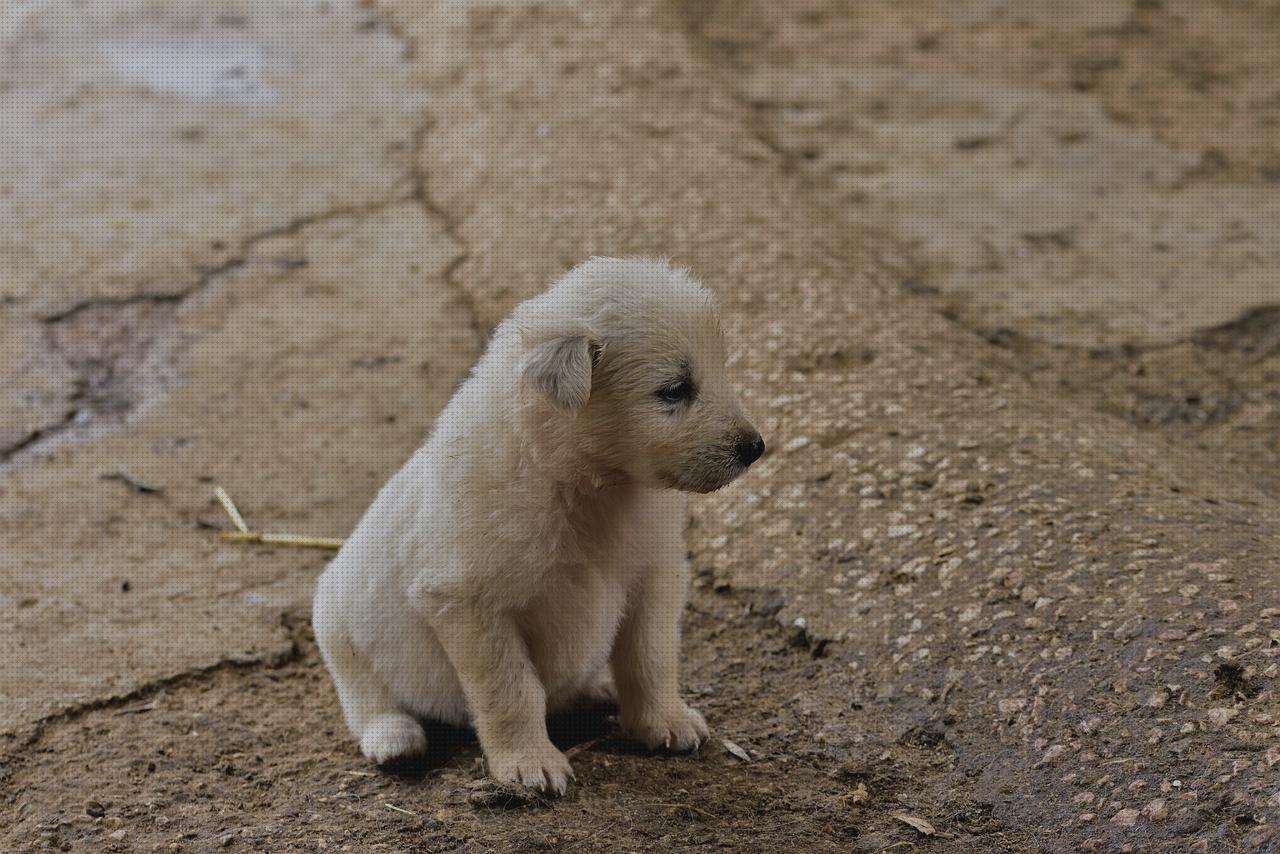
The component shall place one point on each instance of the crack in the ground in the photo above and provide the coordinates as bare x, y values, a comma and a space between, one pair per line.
420, 194
387, 19
295, 624
207, 276
95, 375
40, 434
451, 226
452, 229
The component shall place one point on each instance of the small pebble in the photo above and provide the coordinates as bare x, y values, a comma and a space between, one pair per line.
1220, 716
1125, 818
1050, 755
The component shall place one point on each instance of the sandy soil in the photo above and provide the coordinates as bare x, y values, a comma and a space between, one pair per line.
1002, 284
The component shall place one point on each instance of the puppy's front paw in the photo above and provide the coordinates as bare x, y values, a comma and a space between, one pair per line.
675, 727
542, 767
393, 736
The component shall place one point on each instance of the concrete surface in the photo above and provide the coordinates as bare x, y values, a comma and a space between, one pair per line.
1001, 293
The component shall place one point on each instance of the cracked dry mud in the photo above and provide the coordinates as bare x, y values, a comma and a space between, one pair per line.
1001, 282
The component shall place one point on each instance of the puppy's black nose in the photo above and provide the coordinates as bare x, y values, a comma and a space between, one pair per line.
750, 448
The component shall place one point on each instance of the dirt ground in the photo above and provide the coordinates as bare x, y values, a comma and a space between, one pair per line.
1002, 284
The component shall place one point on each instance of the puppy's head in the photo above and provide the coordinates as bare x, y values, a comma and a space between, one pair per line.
630, 355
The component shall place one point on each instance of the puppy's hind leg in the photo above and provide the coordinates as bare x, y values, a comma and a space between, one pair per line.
385, 731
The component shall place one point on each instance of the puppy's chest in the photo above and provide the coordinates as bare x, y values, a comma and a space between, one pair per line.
571, 626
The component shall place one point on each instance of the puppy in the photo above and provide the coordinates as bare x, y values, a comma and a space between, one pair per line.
530, 555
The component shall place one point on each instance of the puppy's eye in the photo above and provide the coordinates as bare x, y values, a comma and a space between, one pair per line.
677, 392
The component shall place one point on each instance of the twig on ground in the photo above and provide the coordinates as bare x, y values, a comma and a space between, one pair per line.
582, 748
242, 534
298, 540
230, 507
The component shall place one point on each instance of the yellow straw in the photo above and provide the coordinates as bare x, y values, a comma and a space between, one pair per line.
230, 507
242, 534
299, 540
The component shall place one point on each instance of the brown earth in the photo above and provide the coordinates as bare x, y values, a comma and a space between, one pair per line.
1001, 282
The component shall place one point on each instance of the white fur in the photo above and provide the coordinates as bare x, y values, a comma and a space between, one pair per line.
531, 549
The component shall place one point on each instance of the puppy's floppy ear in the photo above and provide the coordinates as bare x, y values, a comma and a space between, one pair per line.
561, 369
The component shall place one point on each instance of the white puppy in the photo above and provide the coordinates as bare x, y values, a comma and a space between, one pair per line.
534, 545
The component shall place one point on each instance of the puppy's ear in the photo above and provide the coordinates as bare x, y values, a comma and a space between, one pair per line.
561, 369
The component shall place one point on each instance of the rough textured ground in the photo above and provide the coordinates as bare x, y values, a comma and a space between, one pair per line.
1001, 282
